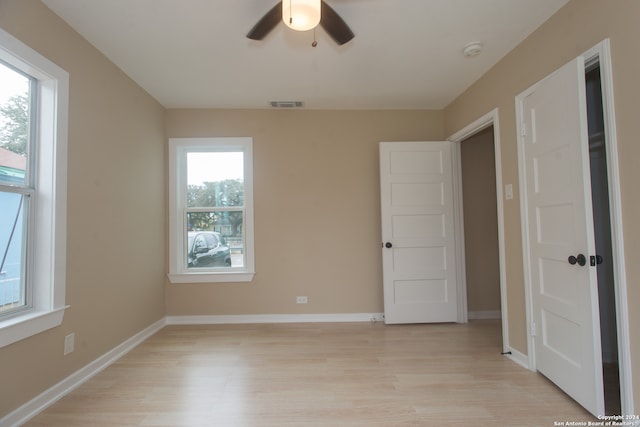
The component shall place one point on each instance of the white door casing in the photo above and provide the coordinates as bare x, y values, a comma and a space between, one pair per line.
418, 251
557, 224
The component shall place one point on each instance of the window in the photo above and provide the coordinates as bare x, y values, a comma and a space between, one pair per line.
211, 210
33, 147
16, 185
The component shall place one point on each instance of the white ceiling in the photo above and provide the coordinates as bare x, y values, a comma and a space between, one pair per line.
407, 54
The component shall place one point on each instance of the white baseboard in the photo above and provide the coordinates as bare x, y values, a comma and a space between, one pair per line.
486, 314
275, 318
32, 408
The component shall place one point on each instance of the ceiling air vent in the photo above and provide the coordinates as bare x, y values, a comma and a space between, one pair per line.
286, 104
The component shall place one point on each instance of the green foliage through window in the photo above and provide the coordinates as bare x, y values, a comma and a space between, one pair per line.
229, 192
14, 120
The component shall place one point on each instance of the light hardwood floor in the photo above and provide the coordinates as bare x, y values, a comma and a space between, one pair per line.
348, 374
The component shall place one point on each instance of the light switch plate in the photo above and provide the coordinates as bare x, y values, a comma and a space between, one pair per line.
508, 191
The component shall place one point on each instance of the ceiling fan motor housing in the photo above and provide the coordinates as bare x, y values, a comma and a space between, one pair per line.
329, 20
301, 15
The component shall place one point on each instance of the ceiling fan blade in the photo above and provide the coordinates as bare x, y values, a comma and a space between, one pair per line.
334, 25
267, 23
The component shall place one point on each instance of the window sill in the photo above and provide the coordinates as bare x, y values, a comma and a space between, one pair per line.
28, 324
209, 277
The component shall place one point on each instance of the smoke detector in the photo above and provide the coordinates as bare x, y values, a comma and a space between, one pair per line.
472, 49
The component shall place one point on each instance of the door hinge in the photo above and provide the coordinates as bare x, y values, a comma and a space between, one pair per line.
523, 129
533, 329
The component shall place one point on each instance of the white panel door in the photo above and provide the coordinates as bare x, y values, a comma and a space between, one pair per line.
418, 251
560, 235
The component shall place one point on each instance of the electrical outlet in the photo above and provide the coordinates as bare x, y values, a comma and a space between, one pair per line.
69, 343
301, 300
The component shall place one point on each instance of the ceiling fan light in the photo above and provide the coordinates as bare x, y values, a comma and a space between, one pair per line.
301, 15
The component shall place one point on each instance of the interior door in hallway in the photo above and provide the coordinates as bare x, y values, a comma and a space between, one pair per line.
418, 241
559, 234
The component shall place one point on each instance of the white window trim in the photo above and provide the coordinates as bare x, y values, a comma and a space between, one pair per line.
178, 148
48, 239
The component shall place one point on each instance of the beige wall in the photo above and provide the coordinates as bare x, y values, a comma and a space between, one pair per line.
577, 27
116, 219
317, 207
316, 185
480, 222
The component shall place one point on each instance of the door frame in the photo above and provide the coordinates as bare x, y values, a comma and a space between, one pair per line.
602, 54
487, 120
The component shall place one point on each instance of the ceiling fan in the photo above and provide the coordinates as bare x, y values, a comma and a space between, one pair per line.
332, 23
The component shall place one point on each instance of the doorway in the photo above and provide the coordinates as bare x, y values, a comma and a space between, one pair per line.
488, 123
481, 248
602, 229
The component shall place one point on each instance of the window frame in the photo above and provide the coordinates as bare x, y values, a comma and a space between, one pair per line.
178, 271
46, 242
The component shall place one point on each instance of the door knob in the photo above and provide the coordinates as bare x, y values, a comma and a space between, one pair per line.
388, 245
581, 260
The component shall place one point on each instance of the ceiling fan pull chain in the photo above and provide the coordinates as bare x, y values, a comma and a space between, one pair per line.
315, 42
290, 13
